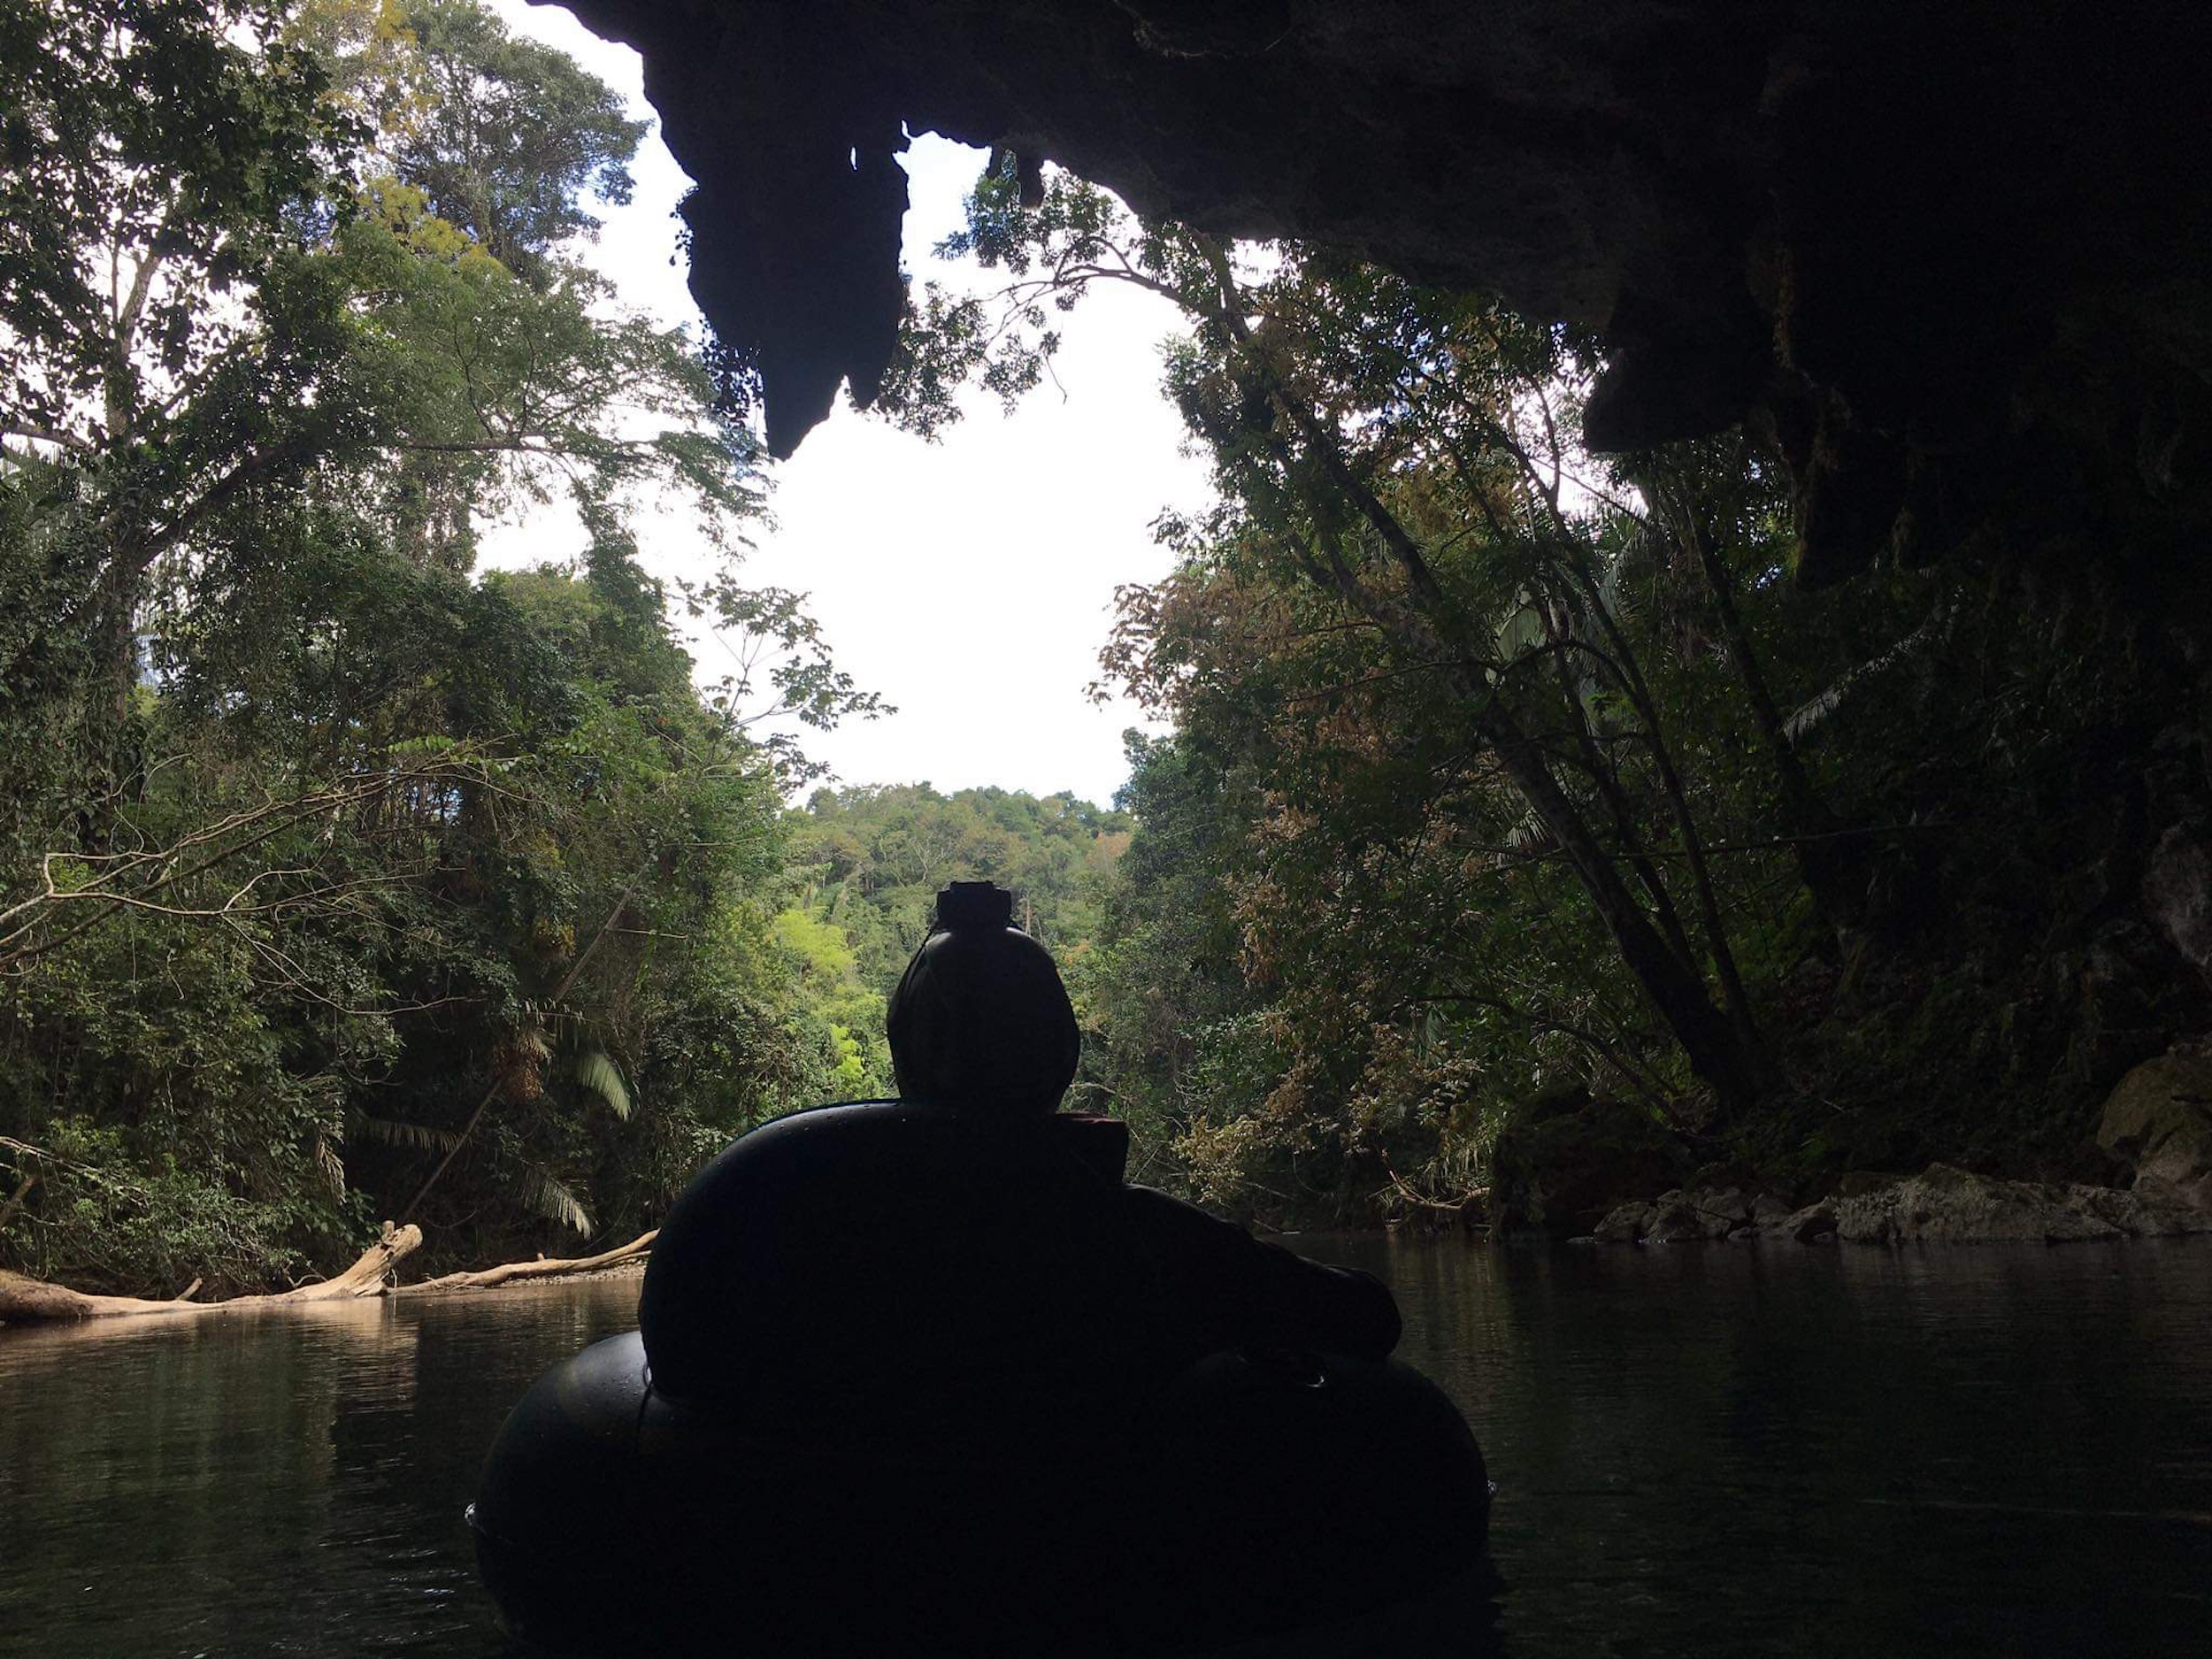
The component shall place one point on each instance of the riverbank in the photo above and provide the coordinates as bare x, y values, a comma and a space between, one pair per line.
1575, 1167
1942, 1204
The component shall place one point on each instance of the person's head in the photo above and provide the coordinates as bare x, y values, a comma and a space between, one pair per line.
979, 1017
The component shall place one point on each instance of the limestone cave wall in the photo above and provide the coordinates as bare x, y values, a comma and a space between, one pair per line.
1953, 256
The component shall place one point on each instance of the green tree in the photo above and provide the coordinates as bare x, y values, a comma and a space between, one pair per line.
1408, 453
165, 163
358, 885
505, 138
1483, 720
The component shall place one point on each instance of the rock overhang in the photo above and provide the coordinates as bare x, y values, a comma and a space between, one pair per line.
1927, 247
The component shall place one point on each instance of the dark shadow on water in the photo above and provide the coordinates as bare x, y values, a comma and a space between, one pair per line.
1455, 1620
1786, 1450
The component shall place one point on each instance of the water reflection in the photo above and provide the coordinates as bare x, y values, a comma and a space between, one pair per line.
1745, 1449
1717, 1451
284, 1481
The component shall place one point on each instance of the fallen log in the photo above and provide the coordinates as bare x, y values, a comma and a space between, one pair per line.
33, 1302
25, 1301
523, 1273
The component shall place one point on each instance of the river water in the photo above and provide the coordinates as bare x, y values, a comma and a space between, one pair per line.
1707, 1451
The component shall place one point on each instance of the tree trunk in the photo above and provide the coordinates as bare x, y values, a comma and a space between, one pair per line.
1723, 1052
1631, 680
1717, 1051
1831, 867
1727, 1056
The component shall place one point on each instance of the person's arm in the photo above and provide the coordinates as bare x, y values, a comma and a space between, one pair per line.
1260, 1295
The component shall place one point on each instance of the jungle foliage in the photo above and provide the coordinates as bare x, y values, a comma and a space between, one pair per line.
1503, 774
344, 880
867, 862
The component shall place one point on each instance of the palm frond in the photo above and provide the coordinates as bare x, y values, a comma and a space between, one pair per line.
1521, 629
414, 1137
555, 1202
599, 1074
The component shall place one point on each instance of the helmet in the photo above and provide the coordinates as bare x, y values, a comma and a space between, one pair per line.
979, 1017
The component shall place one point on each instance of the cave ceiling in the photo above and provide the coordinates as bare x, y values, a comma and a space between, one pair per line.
1933, 250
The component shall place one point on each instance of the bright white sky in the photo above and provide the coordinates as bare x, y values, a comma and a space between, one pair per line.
969, 581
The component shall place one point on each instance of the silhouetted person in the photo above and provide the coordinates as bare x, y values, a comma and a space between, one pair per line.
981, 1023
968, 1258
928, 1374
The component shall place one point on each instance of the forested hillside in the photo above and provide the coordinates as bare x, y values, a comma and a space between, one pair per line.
867, 863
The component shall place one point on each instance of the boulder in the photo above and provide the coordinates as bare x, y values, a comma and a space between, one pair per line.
2159, 1121
1680, 1218
1858, 1183
2151, 1210
1813, 1222
1944, 1202
1769, 1211
1726, 1208
1625, 1224
2177, 892
1677, 1217
1674, 1220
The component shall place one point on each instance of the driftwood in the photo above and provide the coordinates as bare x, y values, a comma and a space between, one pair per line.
33, 1302
523, 1273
